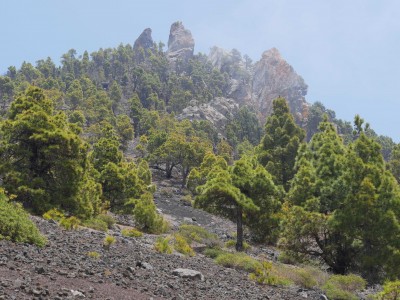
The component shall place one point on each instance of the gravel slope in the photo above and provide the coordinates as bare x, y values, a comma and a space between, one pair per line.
130, 269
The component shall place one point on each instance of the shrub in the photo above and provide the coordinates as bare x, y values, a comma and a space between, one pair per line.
212, 252
131, 232
162, 245
232, 244
109, 220
239, 261
53, 214
187, 199
343, 286
307, 277
182, 246
391, 291
263, 275
287, 258
167, 192
108, 241
146, 216
198, 234
93, 254
96, 224
15, 224
71, 223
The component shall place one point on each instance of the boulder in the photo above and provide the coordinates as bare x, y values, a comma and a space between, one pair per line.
188, 273
77, 294
144, 265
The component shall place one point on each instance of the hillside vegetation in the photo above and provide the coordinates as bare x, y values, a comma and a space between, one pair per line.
80, 139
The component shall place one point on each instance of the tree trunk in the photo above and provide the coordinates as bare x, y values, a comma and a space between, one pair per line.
168, 170
185, 174
239, 229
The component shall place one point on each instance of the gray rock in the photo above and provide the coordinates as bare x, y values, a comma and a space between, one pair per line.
258, 85
180, 43
144, 41
187, 220
323, 297
303, 294
18, 283
218, 111
144, 265
77, 294
188, 273
240, 72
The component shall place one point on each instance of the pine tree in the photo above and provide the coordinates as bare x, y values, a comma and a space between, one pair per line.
344, 206
244, 193
278, 148
394, 162
43, 159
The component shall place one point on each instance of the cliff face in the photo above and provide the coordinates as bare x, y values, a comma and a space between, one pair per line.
259, 84
180, 43
144, 41
219, 111
250, 84
274, 77
240, 73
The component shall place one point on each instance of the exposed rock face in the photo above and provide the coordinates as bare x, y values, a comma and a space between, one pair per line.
274, 77
219, 57
233, 64
144, 41
254, 85
258, 85
219, 111
180, 43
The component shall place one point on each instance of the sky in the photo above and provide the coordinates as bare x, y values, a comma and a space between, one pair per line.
348, 52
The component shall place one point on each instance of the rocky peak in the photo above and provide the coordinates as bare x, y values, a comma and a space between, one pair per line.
274, 77
144, 41
272, 54
180, 43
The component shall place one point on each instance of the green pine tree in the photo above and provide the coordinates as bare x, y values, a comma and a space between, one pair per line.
278, 148
43, 159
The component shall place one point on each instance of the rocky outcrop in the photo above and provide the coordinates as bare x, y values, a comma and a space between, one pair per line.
219, 57
180, 43
254, 85
219, 111
240, 73
274, 77
259, 84
144, 41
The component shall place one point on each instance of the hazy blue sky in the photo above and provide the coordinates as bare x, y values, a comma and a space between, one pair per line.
348, 52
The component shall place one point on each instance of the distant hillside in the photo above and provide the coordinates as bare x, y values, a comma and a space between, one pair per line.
213, 87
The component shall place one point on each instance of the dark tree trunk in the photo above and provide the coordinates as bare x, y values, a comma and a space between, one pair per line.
168, 170
239, 229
